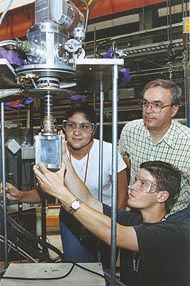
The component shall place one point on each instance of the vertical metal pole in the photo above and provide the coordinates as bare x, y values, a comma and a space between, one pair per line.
100, 173
114, 172
94, 41
4, 186
101, 142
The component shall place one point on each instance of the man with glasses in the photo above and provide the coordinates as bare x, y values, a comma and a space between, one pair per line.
154, 246
159, 137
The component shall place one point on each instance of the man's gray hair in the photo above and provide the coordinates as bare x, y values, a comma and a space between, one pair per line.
175, 90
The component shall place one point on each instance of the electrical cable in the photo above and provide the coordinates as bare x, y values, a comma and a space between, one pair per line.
58, 277
27, 234
106, 275
171, 51
19, 250
87, 14
31, 236
89, 270
103, 45
25, 254
39, 279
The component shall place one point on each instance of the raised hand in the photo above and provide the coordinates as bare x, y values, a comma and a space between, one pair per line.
50, 182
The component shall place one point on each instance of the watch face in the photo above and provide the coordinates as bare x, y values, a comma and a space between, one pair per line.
75, 205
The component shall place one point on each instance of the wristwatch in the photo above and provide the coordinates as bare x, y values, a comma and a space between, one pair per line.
75, 205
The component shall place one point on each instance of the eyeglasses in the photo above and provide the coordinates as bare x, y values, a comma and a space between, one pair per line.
145, 185
86, 128
155, 106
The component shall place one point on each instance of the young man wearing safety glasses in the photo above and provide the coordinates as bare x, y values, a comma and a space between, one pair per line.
154, 246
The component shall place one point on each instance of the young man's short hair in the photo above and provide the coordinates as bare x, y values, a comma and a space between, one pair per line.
167, 177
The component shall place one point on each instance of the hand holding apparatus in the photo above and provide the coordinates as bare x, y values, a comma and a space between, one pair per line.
12, 192
50, 182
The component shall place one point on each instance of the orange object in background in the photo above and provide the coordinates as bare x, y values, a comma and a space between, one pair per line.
19, 20
106, 7
52, 216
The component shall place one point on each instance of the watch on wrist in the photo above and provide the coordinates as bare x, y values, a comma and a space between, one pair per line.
75, 205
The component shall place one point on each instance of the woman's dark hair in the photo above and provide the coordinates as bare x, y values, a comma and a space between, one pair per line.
168, 178
88, 111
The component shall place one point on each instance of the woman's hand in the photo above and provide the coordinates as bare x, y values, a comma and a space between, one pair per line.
12, 192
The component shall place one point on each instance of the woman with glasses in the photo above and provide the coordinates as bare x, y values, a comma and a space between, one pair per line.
79, 125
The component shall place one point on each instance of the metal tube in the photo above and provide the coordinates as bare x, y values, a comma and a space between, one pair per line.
114, 172
48, 122
101, 142
100, 177
4, 186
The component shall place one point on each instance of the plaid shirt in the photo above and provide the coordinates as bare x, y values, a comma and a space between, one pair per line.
174, 147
